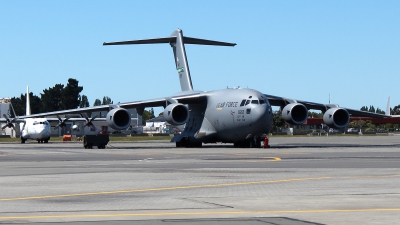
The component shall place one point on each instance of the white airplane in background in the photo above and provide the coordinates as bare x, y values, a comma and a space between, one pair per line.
39, 129
34, 128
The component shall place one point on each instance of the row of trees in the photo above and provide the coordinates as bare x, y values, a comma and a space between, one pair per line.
56, 98
62, 97
372, 109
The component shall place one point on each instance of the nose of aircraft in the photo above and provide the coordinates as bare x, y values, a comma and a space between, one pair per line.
42, 132
262, 118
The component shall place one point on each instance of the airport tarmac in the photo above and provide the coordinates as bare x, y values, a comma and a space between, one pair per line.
299, 180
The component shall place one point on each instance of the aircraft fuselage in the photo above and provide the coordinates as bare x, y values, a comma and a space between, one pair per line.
36, 129
230, 116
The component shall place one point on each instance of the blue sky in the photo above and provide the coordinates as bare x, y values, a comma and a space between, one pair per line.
308, 50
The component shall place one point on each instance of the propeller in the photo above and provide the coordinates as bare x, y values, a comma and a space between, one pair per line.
9, 122
61, 122
89, 121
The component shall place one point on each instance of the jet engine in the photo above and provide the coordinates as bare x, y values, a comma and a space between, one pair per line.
118, 119
295, 113
336, 118
176, 114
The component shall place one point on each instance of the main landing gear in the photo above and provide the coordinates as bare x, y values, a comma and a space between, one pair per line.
39, 141
184, 143
250, 143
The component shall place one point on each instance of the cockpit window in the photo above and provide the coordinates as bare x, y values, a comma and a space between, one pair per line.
254, 102
247, 102
243, 102
262, 102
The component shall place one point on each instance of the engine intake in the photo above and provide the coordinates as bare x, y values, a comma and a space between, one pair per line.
176, 114
118, 119
336, 118
295, 113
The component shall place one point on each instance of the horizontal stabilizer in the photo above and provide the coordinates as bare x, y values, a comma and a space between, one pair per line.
177, 42
143, 41
171, 39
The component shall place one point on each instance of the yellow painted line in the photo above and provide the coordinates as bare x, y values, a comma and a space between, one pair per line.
163, 189
272, 159
268, 159
172, 188
163, 214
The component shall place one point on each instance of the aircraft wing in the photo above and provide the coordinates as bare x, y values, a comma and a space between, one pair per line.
182, 97
281, 101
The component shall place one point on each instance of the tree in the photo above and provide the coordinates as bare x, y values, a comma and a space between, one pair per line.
371, 109
396, 110
52, 98
19, 104
106, 100
97, 102
84, 102
364, 108
147, 115
278, 121
71, 94
315, 114
378, 110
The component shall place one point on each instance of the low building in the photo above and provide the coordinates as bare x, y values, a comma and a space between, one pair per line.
155, 125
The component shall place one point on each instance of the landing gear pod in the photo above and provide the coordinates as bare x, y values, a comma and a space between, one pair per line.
118, 119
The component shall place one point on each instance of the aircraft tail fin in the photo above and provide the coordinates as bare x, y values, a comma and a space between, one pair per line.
387, 113
177, 42
28, 102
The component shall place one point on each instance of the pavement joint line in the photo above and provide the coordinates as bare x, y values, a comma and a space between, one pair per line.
191, 187
159, 214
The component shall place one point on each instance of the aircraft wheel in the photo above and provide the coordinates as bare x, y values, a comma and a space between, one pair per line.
258, 142
23, 141
182, 143
251, 144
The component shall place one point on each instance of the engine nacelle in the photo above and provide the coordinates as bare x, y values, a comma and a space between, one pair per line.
295, 113
176, 114
118, 119
336, 118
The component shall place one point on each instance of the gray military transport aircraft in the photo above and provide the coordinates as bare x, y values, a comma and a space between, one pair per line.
240, 116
